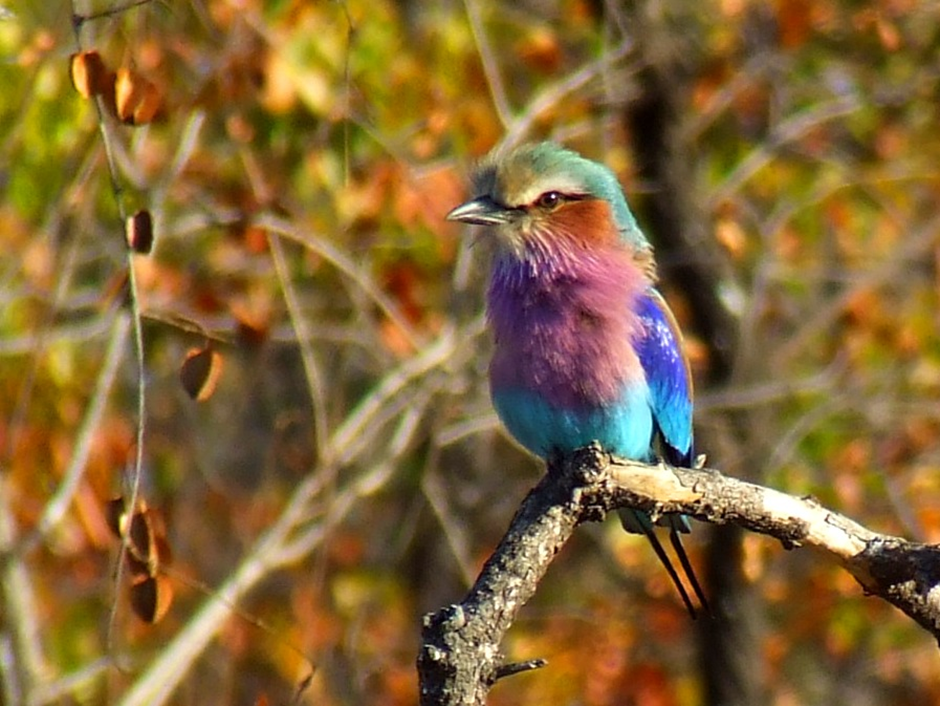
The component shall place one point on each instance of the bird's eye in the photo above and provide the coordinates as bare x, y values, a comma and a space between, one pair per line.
549, 199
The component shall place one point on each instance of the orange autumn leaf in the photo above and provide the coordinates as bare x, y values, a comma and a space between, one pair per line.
200, 372
90, 76
136, 99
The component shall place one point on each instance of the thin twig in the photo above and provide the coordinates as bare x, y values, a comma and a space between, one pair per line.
911, 249
344, 264
78, 20
357, 429
791, 130
133, 298
548, 99
315, 380
494, 78
79, 681
58, 504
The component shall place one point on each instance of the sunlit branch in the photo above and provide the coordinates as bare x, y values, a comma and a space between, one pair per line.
460, 656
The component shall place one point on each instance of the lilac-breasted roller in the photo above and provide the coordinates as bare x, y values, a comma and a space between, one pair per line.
586, 349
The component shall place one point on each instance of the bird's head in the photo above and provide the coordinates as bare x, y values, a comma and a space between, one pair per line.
539, 197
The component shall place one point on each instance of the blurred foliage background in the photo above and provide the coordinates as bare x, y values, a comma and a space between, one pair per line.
348, 473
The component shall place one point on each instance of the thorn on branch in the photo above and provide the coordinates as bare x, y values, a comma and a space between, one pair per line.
507, 670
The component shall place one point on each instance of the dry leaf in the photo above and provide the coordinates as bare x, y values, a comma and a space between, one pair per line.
200, 372
90, 76
136, 99
151, 597
139, 232
147, 554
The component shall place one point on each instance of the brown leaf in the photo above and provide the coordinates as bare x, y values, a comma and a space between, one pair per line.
151, 597
90, 76
139, 231
200, 372
141, 557
148, 552
136, 99
147, 548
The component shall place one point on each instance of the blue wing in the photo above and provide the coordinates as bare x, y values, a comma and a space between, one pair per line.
659, 348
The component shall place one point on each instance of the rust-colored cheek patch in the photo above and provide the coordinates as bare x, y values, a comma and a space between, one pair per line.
589, 221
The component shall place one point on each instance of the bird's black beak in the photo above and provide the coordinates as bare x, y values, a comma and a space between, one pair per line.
482, 211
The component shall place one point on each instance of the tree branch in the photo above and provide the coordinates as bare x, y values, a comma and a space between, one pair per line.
460, 654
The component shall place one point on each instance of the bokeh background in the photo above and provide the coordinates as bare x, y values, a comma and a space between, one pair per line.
347, 473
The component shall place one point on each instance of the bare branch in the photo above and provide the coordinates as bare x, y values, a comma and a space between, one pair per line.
300, 528
58, 504
460, 654
493, 76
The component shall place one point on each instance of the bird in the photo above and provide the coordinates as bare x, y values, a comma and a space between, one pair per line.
586, 349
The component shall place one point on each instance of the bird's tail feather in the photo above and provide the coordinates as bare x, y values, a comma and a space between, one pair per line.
671, 570
639, 523
689, 571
